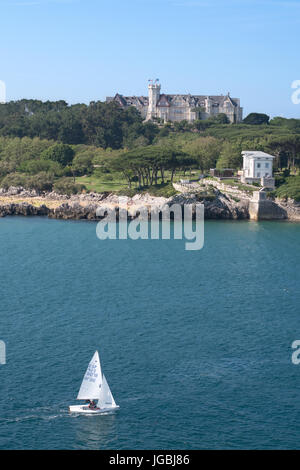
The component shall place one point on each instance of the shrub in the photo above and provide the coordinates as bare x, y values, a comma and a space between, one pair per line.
42, 181
61, 153
99, 172
67, 171
271, 195
13, 179
67, 186
163, 190
107, 178
127, 192
291, 189
33, 167
83, 164
279, 180
256, 119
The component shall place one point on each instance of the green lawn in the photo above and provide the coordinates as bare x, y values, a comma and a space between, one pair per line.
100, 185
95, 184
114, 182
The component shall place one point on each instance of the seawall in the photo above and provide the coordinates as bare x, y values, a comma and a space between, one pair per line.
261, 208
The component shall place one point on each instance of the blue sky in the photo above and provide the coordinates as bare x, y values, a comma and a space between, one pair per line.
83, 50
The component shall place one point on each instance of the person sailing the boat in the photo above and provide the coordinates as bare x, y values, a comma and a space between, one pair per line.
92, 405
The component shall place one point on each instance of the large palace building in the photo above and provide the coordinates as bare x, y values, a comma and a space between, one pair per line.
180, 107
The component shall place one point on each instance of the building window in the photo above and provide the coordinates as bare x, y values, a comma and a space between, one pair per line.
258, 165
267, 165
258, 175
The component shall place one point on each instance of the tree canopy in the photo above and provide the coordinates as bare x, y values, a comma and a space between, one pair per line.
60, 143
256, 119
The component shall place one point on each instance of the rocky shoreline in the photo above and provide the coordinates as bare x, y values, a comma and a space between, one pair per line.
17, 201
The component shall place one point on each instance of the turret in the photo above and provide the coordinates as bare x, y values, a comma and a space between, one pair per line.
208, 105
154, 94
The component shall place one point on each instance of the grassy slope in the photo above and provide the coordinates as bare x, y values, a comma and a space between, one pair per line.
291, 189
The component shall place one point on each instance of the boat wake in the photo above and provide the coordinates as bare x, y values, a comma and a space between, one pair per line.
39, 414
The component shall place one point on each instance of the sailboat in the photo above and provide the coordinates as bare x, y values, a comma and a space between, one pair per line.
94, 388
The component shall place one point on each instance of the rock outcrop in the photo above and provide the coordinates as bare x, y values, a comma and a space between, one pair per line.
17, 201
23, 208
290, 207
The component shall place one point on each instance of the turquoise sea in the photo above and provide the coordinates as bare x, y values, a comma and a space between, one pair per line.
196, 345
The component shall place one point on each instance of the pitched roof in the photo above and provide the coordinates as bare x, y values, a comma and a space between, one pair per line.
163, 101
256, 154
167, 100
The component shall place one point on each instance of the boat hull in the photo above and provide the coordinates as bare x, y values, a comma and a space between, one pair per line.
83, 409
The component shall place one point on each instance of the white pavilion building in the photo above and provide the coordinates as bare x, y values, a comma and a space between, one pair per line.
258, 168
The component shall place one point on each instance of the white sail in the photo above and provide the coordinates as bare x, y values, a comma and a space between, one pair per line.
106, 400
92, 381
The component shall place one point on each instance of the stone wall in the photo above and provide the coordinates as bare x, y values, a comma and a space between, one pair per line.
230, 189
266, 210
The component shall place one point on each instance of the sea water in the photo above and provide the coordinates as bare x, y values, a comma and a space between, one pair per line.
195, 345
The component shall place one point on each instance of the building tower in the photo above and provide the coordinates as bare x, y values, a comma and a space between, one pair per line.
153, 94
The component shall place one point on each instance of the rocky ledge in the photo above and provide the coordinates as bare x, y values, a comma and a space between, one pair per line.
17, 201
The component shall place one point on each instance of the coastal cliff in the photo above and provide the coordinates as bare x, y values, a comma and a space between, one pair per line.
17, 201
